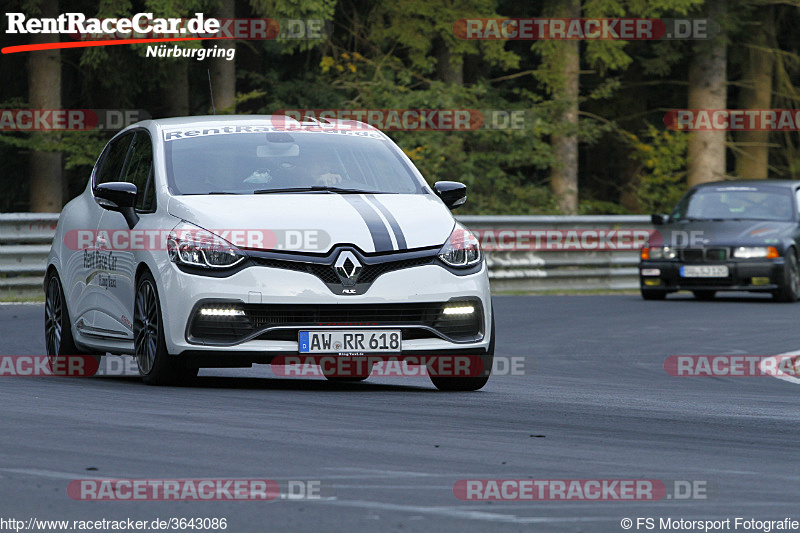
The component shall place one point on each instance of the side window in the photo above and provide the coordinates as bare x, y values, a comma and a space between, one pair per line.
113, 160
139, 171
797, 198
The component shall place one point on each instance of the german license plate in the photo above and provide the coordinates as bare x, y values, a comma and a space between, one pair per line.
704, 271
350, 341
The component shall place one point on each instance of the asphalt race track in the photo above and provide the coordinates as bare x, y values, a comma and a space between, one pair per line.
595, 403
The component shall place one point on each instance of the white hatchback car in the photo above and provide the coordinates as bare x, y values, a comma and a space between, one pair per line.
231, 240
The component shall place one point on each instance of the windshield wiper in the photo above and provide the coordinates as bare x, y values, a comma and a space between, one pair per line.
212, 192
316, 188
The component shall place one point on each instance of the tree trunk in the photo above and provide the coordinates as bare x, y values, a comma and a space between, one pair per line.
708, 90
448, 70
44, 92
564, 174
752, 161
223, 72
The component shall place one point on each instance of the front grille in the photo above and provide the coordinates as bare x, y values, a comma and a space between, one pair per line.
415, 316
327, 272
692, 255
701, 255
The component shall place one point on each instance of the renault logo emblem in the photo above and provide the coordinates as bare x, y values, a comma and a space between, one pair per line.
348, 267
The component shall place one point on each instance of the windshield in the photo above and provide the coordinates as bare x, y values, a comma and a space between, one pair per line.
247, 163
735, 203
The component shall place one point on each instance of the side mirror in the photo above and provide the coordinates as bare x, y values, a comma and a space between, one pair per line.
452, 193
118, 196
659, 220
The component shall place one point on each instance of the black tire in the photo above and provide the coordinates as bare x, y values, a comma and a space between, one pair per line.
789, 287
156, 365
704, 295
650, 294
57, 326
472, 383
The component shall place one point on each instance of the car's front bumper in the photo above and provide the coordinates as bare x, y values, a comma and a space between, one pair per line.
762, 275
181, 293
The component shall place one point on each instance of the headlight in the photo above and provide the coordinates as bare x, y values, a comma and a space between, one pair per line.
659, 253
652, 253
461, 250
755, 252
194, 246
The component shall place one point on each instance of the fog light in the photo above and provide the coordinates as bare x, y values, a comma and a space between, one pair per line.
651, 272
759, 281
652, 282
459, 310
221, 312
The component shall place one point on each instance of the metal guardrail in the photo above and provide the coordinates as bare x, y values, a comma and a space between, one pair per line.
556, 270
25, 240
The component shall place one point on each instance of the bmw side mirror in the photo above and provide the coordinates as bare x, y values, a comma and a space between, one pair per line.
659, 220
452, 193
118, 196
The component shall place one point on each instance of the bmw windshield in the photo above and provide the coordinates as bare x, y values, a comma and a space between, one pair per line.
286, 161
736, 203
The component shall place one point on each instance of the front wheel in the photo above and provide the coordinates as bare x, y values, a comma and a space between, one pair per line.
471, 383
650, 294
156, 366
57, 328
789, 288
704, 295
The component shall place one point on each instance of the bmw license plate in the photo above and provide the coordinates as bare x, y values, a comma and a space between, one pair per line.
704, 271
350, 341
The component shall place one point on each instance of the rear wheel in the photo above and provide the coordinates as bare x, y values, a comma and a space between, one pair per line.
471, 383
789, 288
704, 295
156, 366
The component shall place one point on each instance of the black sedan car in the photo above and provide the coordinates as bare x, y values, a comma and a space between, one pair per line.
726, 236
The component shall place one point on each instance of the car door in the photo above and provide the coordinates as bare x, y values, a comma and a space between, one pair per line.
115, 312
85, 265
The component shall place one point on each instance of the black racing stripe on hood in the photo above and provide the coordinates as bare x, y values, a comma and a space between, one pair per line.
398, 232
380, 235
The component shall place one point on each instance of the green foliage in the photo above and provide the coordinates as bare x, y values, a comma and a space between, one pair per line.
662, 175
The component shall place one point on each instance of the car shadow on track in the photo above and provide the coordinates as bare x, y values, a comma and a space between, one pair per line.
278, 383
734, 297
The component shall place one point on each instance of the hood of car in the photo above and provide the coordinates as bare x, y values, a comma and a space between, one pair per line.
724, 233
315, 222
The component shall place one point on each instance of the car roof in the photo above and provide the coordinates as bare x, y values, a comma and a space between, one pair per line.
211, 121
788, 184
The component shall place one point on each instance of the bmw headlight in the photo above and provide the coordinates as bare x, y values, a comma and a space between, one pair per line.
194, 246
656, 252
668, 252
462, 249
755, 252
